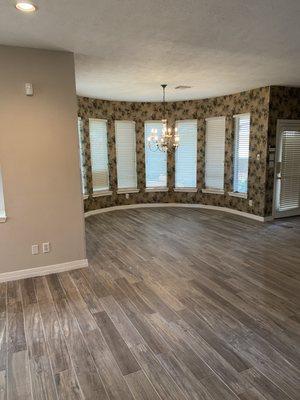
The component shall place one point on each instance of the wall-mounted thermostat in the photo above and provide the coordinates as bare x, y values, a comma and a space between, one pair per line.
28, 89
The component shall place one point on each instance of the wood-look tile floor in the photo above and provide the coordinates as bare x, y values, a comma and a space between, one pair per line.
177, 304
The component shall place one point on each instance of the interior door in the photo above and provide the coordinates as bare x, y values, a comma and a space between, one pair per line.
287, 173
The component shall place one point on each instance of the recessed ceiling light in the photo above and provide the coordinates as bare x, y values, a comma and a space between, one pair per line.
182, 87
25, 6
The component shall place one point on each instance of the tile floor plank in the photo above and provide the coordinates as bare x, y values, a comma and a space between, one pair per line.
117, 345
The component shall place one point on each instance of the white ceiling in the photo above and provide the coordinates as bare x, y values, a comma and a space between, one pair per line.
124, 49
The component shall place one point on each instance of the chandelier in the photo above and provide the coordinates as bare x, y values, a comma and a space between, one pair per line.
168, 139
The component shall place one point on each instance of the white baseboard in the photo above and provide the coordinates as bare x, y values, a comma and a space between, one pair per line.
184, 205
46, 270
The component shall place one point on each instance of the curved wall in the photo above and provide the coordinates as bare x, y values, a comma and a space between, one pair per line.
254, 101
262, 133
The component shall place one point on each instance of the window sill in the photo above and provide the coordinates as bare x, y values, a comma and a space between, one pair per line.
128, 190
102, 193
213, 191
237, 194
2, 217
186, 190
158, 189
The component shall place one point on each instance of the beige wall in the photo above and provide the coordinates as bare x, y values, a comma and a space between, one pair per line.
39, 159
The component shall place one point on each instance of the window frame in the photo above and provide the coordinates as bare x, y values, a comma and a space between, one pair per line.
132, 189
105, 191
210, 189
81, 157
149, 189
192, 189
234, 192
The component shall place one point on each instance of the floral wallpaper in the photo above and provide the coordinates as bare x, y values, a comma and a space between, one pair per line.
254, 101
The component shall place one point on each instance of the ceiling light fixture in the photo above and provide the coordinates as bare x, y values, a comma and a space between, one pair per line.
25, 6
168, 140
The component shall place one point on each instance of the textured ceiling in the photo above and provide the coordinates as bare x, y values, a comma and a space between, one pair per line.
124, 49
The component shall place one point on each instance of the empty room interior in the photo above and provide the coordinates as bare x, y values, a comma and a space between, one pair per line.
149, 200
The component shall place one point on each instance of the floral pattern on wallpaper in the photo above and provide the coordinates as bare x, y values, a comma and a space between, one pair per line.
254, 101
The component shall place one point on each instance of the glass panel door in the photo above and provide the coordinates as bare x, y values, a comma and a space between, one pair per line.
287, 186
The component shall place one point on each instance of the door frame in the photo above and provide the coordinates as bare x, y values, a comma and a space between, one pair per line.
281, 125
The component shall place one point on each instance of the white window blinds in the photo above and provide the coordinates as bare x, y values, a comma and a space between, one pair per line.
126, 154
81, 154
241, 153
99, 157
156, 161
186, 155
214, 153
2, 208
290, 171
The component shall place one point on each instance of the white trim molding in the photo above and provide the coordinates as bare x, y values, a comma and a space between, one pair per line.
45, 270
186, 190
183, 205
128, 190
213, 191
2, 217
97, 119
212, 118
238, 194
102, 193
156, 189
241, 115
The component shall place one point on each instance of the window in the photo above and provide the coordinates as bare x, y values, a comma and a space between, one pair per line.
2, 208
126, 154
186, 155
241, 153
99, 157
214, 153
156, 161
81, 155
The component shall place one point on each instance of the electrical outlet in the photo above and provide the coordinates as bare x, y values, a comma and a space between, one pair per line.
127, 195
250, 203
35, 249
46, 247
